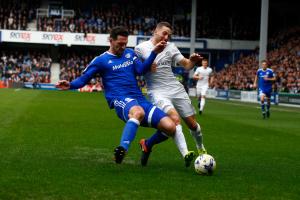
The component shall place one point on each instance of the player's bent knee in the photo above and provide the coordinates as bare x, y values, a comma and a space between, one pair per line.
167, 126
173, 114
137, 112
175, 119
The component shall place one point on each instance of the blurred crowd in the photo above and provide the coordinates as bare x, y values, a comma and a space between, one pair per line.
138, 16
19, 67
283, 57
15, 16
141, 21
72, 65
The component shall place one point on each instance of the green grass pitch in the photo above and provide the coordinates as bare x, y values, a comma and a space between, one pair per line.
59, 145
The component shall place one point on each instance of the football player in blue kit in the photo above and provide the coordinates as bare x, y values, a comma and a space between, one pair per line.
265, 78
118, 68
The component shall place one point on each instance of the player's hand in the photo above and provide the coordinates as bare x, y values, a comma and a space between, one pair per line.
159, 47
63, 85
153, 67
197, 77
195, 58
254, 86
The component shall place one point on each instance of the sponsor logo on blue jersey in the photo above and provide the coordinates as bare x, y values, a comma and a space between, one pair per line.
124, 64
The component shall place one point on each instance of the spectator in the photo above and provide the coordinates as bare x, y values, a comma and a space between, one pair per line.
284, 60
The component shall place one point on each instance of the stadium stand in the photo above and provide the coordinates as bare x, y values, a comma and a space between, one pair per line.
15, 15
283, 57
140, 19
16, 67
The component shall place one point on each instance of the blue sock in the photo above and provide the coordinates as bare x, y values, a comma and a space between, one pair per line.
263, 107
156, 138
268, 107
129, 132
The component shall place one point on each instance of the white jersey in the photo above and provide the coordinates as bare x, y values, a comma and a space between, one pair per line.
163, 79
205, 73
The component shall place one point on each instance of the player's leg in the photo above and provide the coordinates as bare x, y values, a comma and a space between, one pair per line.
165, 104
179, 138
196, 132
198, 95
202, 104
165, 128
186, 110
262, 103
268, 97
203, 96
154, 117
131, 113
147, 144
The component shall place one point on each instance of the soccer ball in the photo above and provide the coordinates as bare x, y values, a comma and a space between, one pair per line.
205, 164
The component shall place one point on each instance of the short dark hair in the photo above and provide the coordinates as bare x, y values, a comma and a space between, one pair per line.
264, 61
205, 59
166, 24
118, 30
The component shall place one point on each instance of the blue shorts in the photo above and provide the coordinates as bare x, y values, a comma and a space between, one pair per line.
267, 92
153, 115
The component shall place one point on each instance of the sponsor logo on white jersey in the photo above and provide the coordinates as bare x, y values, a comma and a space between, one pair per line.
168, 53
164, 63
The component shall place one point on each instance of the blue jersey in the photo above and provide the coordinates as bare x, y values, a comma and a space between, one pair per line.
118, 75
265, 85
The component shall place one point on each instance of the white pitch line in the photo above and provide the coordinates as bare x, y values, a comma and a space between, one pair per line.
273, 108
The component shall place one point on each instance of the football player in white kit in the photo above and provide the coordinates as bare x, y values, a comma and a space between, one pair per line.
167, 93
203, 77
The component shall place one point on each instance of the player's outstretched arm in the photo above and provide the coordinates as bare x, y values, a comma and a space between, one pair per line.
78, 82
143, 67
85, 77
197, 76
190, 63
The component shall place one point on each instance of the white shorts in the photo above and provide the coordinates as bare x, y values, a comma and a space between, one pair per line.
201, 91
180, 101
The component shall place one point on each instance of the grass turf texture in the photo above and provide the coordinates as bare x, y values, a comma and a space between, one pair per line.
59, 145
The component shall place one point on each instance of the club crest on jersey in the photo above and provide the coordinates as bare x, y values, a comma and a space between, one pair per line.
127, 55
168, 53
109, 62
160, 103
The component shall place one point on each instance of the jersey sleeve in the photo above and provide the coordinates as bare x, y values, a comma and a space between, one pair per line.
87, 75
176, 55
143, 67
197, 72
139, 52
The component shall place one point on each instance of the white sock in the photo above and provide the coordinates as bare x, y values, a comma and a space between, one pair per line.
202, 103
179, 140
198, 137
